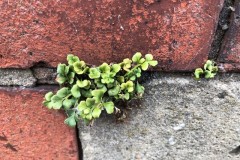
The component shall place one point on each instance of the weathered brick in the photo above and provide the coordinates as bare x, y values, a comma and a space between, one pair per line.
178, 33
230, 52
30, 131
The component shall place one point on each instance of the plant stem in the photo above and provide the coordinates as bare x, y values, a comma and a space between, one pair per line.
135, 67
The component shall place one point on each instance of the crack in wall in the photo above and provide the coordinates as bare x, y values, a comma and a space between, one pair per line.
80, 149
223, 24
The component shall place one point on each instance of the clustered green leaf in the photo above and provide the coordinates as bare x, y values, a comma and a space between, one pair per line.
209, 70
87, 91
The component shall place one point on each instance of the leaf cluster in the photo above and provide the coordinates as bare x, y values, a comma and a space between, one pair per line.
87, 91
209, 70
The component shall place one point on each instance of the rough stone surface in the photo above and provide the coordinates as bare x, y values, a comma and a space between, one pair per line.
178, 32
230, 52
30, 131
17, 77
179, 118
45, 75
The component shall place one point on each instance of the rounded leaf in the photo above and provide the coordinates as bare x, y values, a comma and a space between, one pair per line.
82, 105
114, 91
98, 94
66, 70
96, 112
209, 74
127, 64
198, 72
138, 75
142, 60
109, 106
123, 86
86, 93
63, 92
80, 67
67, 104
71, 76
75, 91
70, 121
61, 69
116, 68
86, 111
94, 73
61, 79
144, 66
90, 102
48, 104
56, 102
136, 57
215, 69
130, 89
126, 96
153, 63
83, 83
149, 57
121, 79
133, 78
104, 68
207, 64
139, 89
48, 96
129, 83
89, 117
99, 84
72, 59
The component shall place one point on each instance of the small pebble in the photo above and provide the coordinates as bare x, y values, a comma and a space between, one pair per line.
171, 141
232, 8
179, 127
224, 27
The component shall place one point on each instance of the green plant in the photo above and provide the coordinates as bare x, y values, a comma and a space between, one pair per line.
86, 91
209, 70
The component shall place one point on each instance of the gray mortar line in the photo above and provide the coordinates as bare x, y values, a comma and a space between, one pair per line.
17, 77
222, 27
31, 77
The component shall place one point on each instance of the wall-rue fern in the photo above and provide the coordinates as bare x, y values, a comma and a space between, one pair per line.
209, 70
85, 92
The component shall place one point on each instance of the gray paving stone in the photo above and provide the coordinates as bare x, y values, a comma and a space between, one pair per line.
178, 118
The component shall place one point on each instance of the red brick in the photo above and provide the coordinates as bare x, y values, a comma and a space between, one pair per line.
230, 53
30, 131
229, 67
178, 33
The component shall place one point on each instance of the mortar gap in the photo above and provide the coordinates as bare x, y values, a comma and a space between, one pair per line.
235, 151
79, 144
224, 19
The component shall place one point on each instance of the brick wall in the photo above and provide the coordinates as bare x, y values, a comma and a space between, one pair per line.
178, 33
37, 35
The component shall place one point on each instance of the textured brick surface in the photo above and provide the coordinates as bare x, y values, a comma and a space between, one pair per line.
230, 53
178, 33
29, 131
